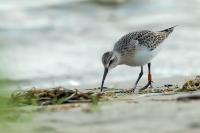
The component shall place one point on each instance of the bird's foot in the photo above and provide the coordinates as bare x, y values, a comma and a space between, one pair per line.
134, 88
149, 84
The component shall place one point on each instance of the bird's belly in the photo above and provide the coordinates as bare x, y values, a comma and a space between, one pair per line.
141, 57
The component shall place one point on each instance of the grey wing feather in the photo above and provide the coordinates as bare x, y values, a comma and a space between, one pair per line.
128, 42
149, 39
126, 47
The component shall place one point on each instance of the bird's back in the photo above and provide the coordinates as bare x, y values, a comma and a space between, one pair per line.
138, 48
146, 38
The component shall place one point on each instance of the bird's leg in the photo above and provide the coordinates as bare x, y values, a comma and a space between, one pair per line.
149, 78
138, 79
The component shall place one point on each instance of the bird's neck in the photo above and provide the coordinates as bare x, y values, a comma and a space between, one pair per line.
119, 58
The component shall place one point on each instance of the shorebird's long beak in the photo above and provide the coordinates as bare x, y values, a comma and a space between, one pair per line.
104, 77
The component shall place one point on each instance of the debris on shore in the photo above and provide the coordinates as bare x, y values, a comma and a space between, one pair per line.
61, 95
191, 85
58, 95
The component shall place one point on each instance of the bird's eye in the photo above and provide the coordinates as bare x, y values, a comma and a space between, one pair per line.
111, 62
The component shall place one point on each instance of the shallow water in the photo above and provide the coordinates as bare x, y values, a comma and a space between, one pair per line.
51, 43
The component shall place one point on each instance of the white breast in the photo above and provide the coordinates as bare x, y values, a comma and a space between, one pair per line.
142, 56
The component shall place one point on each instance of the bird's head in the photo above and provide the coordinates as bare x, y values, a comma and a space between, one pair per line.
109, 60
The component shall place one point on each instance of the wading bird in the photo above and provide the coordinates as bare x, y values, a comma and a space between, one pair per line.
135, 49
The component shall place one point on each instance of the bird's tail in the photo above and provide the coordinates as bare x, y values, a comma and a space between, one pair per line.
169, 30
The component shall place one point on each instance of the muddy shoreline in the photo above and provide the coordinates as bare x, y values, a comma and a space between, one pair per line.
155, 110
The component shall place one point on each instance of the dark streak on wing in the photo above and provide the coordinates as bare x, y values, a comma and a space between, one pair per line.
151, 40
128, 42
145, 38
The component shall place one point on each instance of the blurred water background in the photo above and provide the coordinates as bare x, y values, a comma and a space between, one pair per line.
49, 43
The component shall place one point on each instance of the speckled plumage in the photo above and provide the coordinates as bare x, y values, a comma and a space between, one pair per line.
145, 38
135, 49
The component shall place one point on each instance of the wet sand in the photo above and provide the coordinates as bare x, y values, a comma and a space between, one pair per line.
141, 113
168, 112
